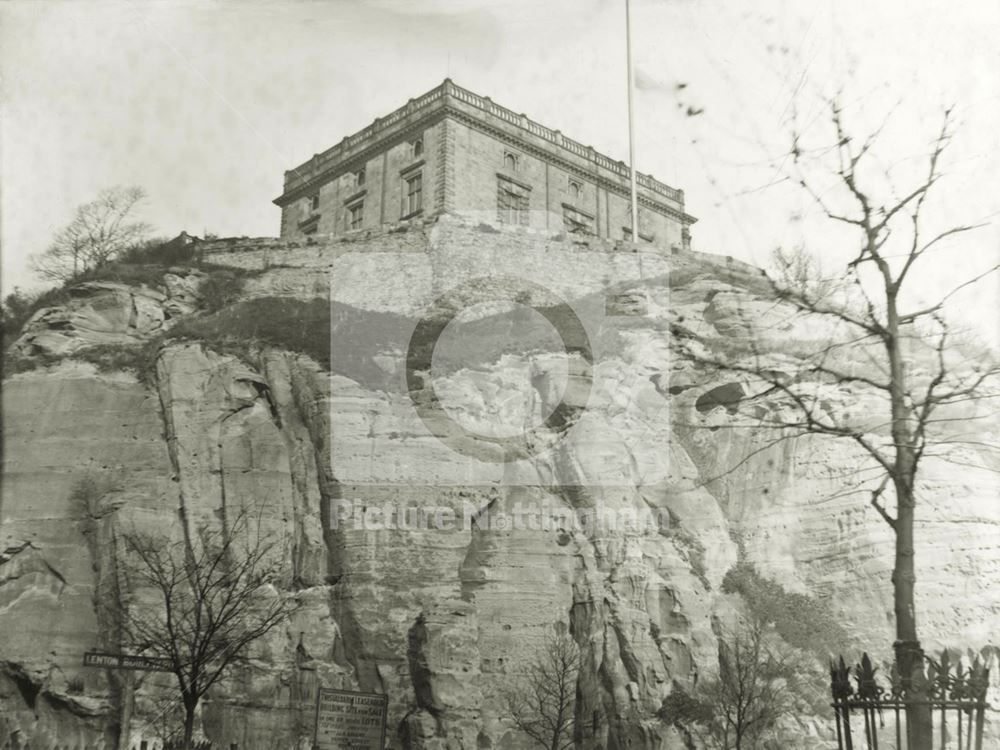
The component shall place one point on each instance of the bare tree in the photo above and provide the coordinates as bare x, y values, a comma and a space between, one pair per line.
100, 230
543, 703
750, 691
747, 698
881, 330
212, 596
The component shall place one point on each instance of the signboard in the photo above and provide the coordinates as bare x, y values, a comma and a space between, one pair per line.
350, 721
127, 661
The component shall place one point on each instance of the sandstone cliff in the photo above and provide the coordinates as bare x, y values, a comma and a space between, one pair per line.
441, 620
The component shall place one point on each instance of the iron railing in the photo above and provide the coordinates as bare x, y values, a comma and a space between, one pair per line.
952, 697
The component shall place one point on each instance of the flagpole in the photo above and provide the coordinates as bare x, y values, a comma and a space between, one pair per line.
631, 125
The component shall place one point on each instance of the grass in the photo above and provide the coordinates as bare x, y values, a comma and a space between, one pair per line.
306, 327
106, 358
291, 324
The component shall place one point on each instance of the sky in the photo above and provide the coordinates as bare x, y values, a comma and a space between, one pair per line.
205, 104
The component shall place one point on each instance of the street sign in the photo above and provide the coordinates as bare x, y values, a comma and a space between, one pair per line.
127, 661
347, 720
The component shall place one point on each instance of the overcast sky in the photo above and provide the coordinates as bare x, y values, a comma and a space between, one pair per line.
206, 104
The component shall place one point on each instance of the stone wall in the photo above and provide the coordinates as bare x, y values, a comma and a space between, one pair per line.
448, 249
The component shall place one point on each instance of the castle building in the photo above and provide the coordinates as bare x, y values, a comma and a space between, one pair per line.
453, 151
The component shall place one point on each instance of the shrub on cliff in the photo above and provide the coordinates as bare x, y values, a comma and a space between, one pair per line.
801, 620
180, 250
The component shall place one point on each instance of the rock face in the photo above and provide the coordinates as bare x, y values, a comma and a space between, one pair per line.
446, 611
108, 312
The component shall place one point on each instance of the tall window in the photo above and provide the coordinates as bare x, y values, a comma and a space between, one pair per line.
359, 177
510, 161
356, 215
417, 147
414, 200
512, 203
575, 189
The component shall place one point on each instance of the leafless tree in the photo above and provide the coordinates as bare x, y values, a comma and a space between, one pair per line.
750, 690
542, 704
880, 332
209, 597
100, 230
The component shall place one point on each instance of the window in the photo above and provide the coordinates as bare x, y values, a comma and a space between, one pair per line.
359, 177
314, 202
413, 201
512, 203
355, 215
577, 222
575, 189
417, 147
510, 161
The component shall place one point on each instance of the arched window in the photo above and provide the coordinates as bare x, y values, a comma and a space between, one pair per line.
418, 146
510, 161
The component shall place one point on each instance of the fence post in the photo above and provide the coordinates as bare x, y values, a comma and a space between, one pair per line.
840, 688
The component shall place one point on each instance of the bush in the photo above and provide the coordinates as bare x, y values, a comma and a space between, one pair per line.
123, 273
75, 685
161, 252
680, 707
221, 289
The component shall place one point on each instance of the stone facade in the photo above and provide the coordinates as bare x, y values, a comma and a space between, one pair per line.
453, 151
